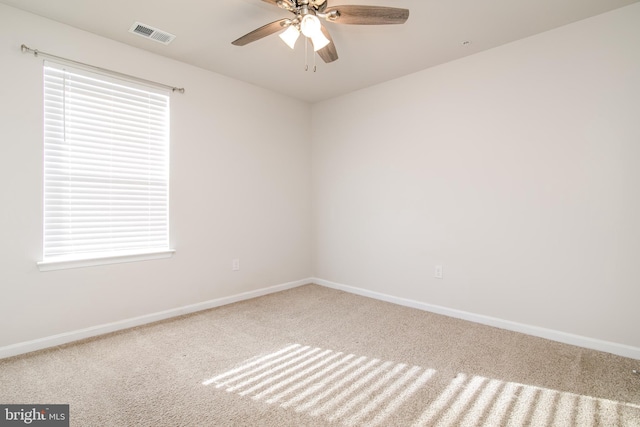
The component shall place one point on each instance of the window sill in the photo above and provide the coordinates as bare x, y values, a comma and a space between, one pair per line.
62, 264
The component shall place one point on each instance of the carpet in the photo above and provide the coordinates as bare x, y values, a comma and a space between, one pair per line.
313, 356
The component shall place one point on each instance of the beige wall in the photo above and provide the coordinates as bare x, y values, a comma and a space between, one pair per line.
517, 169
240, 188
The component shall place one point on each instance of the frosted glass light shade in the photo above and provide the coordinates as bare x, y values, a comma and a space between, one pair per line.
319, 41
290, 36
310, 26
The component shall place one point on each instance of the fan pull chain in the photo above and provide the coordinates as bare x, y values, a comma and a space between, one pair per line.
306, 58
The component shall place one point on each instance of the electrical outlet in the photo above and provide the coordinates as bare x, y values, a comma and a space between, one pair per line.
438, 272
235, 264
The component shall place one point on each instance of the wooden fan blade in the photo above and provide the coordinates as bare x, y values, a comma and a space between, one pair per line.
329, 52
261, 32
366, 15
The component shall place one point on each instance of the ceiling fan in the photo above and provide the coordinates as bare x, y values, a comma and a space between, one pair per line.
307, 21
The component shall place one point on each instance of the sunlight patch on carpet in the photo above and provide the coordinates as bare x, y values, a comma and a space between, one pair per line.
359, 390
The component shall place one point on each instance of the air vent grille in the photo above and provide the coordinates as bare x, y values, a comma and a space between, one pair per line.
152, 33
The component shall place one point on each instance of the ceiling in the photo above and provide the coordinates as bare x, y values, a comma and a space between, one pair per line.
434, 34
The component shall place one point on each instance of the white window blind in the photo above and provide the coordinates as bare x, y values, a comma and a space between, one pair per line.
106, 166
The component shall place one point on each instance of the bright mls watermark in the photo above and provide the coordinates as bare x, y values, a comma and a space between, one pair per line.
34, 415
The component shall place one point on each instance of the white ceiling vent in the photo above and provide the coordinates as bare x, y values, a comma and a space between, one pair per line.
149, 32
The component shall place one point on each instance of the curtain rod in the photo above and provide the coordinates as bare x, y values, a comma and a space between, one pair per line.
36, 52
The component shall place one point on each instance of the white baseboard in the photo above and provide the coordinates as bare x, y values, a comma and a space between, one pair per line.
563, 337
67, 337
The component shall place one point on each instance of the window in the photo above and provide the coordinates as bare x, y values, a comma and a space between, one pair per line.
106, 169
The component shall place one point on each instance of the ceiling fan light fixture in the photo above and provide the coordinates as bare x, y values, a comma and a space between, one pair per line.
290, 36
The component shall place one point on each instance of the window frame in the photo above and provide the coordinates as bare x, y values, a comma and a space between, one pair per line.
117, 255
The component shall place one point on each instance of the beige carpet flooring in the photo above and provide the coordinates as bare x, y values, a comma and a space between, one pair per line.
313, 356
